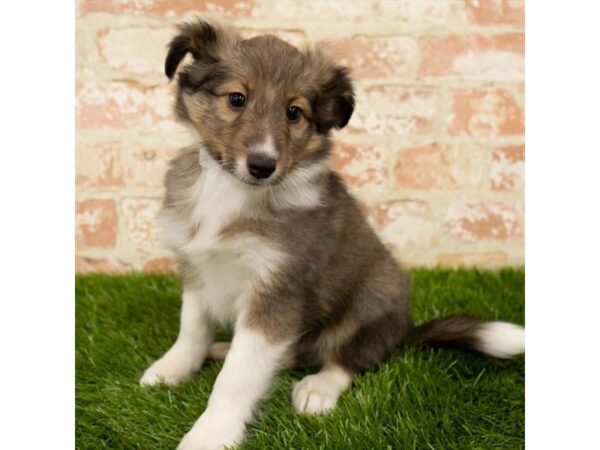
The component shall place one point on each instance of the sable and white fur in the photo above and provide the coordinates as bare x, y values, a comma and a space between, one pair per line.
269, 241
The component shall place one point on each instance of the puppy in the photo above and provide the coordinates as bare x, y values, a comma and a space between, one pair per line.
268, 240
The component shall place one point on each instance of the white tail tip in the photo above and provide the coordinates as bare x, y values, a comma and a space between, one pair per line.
501, 339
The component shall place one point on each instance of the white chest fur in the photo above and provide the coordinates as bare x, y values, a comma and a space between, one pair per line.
226, 268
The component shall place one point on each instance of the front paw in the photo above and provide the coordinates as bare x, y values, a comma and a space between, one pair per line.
213, 432
171, 369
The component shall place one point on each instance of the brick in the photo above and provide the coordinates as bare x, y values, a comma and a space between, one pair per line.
519, 94
121, 164
386, 109
103, 265
486, 259
403, 223
422, 168
361, 165
140, 225
376, 57
160, 265
86, 49
146, 166
471, 222
141, 51
169, 8
98, 165
96, 223
488, 58
414, 13
440, 166
121, 105
134, 51
418, 13
507, 171
496, 12
486, 112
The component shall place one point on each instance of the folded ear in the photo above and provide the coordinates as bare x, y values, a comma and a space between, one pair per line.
199, 38
334, 103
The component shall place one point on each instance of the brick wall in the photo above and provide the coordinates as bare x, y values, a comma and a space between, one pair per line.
435, 150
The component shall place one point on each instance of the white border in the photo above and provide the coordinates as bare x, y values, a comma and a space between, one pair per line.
563, 224
37, 224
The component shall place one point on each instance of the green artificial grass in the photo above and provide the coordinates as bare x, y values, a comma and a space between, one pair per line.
419, 399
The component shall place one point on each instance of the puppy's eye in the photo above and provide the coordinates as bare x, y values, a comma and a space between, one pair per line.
237, 100
293, 113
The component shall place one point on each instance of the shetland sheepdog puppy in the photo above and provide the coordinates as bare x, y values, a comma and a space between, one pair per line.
268, 240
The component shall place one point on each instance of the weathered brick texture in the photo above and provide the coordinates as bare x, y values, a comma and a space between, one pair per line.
496, 58
434, 153
96, 224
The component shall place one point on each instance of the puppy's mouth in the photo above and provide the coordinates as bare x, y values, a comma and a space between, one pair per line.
273, 180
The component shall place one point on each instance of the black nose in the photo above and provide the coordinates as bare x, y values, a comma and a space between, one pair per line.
260, 166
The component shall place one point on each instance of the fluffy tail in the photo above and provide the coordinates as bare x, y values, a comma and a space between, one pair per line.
498, 339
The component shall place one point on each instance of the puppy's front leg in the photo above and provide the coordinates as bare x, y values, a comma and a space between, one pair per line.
246, 376
187, 354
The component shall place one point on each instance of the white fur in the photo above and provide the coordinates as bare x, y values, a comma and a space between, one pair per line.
267, 148
187, 354
218, 199
245, 378
501, 339
229, 271
228, 266
319, 393
298, 189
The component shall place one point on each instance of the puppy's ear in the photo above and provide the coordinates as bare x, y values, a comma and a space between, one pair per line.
199, 38
334, 103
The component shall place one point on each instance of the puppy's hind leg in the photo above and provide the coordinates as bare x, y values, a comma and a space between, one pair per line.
219, 350
319, 393
187, 354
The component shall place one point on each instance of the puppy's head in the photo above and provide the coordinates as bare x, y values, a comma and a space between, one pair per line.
262, 107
